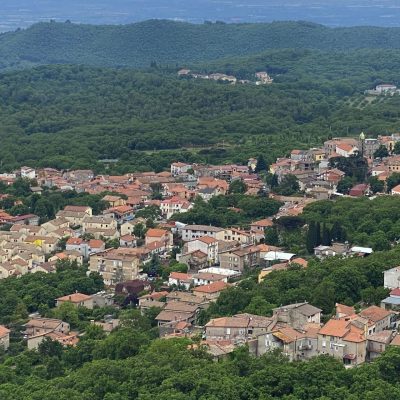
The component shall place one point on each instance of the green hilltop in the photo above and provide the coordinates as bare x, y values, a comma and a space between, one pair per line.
175, 43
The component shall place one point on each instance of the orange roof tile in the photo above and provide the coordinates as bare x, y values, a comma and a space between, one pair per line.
75, 297
211, 288
375, 313
156, 232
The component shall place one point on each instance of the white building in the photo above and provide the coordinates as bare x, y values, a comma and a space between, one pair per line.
179, 168
391, 278
191, 232
28, 173
207, 245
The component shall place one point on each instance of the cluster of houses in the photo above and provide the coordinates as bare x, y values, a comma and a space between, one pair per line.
296, 330
216, 257
319, 180
262, 77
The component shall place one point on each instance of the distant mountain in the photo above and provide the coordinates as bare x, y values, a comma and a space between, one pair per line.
175, 43
22, 13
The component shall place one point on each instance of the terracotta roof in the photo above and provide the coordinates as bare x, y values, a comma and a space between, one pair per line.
3, 331
180, 276
207, 240
211, 288
75, 297
335, 327
228, 322
395, 341
375, 313
96, 243
343, 309
74, 241
300, 261
263, 223
128, 238
345, 147
156, 232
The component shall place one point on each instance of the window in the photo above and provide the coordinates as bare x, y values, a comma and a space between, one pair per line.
228, 331
324, 343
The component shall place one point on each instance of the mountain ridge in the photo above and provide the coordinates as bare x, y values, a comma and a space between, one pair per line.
175, 43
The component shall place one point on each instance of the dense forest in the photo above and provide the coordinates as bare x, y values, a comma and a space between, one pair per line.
172, 43
74, 116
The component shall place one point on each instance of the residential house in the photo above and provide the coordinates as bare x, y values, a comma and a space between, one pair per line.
238, 329
207, 245
377, 343
336, 249
37, 329
174, 205
205, 278
393, 301
159, 235
260, 225
240, 258
298, 315
180, 279
359, 190
191, 232
381, 319
343, 340
178, 168
239, 236
128, 241
98, 222
212, 291
77, 299
115, 265
293, 343
120, 213
196, 260
114, 201
391, 278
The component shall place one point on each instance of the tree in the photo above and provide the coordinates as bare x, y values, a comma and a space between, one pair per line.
261, 164
140, 230
392, 181
237, 186
396, 148
337, 232
344, 185
326, 235
381, 152
375, 185
271, 236
313, 237
289, 185
50, 348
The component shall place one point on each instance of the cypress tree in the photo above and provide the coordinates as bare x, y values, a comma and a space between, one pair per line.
261, 164
311, 238
326, 235
317, 234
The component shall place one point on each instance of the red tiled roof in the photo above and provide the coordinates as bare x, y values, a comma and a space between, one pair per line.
75, 297
211, 288
156, 232
375, 313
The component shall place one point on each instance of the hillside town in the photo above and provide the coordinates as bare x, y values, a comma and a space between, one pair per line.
262, 77
127, 251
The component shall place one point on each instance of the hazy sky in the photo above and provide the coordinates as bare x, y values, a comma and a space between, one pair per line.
22, 13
